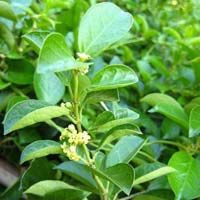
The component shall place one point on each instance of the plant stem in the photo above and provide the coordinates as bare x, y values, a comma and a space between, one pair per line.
76, 102
103, 192
53, 124
167, 142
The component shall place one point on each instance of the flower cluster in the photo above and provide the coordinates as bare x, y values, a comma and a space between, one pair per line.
84, 70
70, 151
72, 138
83, 57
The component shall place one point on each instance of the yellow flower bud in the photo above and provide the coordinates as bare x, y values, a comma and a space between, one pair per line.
83, 57
68, 105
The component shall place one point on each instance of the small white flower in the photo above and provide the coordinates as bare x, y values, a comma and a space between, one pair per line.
72, 128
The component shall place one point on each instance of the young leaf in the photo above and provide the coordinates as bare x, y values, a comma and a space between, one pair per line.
101, 26
124, 150
113, 76
48, 87
194, 122
185, 182
28, 112
167, 106
55, 56
39, 149
43, 188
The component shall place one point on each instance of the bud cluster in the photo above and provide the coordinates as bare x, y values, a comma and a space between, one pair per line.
83, 57
72, 138
83, 70
66, 105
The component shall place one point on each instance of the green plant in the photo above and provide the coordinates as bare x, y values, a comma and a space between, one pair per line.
116, 133
102, 26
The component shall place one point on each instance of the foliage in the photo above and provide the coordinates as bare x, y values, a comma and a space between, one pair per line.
100, 100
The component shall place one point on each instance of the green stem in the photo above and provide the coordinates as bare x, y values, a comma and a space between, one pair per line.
19, 92
103, 193
167, 142
147, 156
70, 91
76, 102
53, 124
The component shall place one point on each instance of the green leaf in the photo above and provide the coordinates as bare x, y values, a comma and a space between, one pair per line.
36, 173
167, 106
79, 172
6, 11
102, 118
55, 56
67, 195
98, 96
5, 96
194, 122
185, 182
36, 39
121, 175
101, 26
48, 87
118, 132
28, 112
113, 76
12, 192
170, 129
148, 172
7, 35
111, 124
20, 7
13, 100
125, 113
20, 71
39, 149
192, 104
4, 85
125, 149
42, 188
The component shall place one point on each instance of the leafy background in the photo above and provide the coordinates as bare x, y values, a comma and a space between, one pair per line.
162, 48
